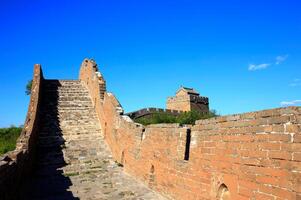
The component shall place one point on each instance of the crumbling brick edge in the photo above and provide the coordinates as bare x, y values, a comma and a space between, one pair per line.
16, 165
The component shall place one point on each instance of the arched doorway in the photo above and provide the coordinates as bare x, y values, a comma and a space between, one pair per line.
152, 176
223, 193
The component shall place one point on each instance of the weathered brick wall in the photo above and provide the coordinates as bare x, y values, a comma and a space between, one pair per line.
248, 156
93, 79
149, 112
188, 103
179, 103
16, 165
256, 155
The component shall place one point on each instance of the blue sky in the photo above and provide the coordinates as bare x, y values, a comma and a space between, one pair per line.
245, 56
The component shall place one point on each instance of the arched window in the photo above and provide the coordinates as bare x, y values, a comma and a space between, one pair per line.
152, 176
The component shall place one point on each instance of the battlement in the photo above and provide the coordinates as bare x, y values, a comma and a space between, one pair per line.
198, 99
145, 112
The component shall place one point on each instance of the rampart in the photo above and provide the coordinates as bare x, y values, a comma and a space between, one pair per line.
254, 155
15, 166
151, 111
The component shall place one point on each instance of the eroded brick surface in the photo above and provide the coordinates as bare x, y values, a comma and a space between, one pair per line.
245, 156
254, 155
73, 159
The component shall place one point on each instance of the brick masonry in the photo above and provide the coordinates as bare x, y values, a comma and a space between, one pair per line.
61, 153
17, 165
254, 155
148, 112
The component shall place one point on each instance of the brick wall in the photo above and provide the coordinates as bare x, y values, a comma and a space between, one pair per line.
248, 156
188, 103
15, 166
94, 82
179, 103
148, 112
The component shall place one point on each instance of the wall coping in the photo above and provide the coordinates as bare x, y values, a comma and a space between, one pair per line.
252, 115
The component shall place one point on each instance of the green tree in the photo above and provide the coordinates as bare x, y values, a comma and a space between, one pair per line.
28, 87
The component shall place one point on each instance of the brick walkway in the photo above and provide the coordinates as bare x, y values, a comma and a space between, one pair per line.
73, 160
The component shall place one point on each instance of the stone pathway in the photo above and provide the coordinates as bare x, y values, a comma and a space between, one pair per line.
73, 160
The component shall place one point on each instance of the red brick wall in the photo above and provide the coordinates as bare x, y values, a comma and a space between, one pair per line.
15, 166
255, 155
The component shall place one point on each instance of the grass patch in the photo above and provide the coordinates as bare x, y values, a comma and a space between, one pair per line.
8, 138
184, 118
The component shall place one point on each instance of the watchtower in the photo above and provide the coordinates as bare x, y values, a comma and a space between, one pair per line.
188, 99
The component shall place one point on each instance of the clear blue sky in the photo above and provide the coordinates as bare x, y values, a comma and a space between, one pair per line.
244, 56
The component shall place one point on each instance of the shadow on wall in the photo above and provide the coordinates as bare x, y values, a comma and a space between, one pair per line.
152, 177
48, 180
223, 193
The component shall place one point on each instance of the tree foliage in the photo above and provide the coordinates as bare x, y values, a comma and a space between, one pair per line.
28, 87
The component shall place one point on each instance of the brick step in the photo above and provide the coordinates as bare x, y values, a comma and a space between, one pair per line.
75, 89
74, 101
88, 137
74, 98
63, 84
72, 109
54, 91
85, 127
66, 89
50, 146
64, 95
70, 116
83, 171
50, 141
66, 124
55, 94
74, 106
79, 121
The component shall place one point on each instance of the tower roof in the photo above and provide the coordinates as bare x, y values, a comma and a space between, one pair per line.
188, 90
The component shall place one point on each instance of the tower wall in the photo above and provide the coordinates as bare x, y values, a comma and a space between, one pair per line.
187, 102
181, 103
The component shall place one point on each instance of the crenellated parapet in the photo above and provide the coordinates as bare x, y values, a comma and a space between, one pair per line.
145, 112
198, 99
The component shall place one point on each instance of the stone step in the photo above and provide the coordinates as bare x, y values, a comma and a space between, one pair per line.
66, 89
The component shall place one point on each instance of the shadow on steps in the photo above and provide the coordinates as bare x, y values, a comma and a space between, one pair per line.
48, 180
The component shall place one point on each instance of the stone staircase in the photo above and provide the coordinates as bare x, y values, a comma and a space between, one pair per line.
73, 160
